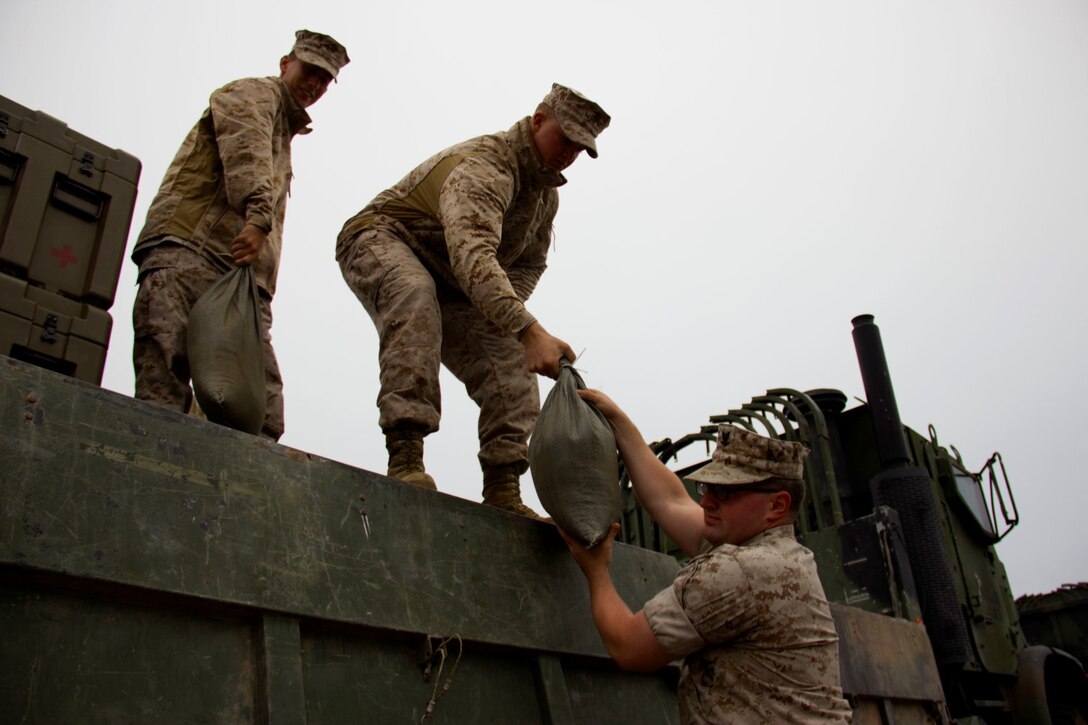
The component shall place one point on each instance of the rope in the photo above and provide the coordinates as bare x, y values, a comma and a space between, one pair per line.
441, 654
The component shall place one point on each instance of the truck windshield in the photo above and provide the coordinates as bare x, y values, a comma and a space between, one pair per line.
970, 492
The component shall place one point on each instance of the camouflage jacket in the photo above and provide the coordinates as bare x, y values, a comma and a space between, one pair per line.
755, 628
233, 169
479, 216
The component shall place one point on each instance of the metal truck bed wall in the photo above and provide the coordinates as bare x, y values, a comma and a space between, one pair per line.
158, 568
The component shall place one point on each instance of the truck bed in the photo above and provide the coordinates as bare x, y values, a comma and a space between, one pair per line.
159, 568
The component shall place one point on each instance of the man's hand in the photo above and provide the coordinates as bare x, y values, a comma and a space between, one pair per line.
607, 407
246, 247
594, 560
542, 351
626, 636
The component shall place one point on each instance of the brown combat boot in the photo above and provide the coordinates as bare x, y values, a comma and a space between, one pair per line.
502, 489
405, 448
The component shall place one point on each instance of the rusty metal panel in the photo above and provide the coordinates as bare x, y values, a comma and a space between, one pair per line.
884, 657
884, 712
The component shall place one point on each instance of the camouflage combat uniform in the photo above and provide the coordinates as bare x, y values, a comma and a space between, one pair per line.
233, 169
756, 632
443, 263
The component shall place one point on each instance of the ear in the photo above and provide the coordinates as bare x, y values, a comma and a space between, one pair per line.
779, 504
283, 65
537, 120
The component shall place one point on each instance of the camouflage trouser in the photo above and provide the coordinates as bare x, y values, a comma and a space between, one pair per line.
172, 279
418, 329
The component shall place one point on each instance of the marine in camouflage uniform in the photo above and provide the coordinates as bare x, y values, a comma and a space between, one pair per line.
747, 614
220, 205
754, 627
444, 261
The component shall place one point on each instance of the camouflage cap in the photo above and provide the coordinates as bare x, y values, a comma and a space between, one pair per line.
580, 119
320, 50
746, 457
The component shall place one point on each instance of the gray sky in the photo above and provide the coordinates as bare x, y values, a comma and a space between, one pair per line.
772, 170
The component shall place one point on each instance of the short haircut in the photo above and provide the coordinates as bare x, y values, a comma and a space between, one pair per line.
795, 487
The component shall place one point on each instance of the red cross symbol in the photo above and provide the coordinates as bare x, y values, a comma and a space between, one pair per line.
64, 255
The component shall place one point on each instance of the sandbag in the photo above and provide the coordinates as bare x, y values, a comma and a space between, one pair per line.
226, 356
572, 454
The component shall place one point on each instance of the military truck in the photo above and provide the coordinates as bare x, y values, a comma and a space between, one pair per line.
901, 527
155, 567
1057, 619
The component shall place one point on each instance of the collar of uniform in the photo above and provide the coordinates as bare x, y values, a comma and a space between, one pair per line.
529, 161
776, 532
298, 120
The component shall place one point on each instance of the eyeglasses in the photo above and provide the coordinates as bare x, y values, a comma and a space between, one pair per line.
721, 494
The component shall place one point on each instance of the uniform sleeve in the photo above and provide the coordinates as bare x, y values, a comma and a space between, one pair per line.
717, 597
526, 271
670, 624
471, 207
243, 115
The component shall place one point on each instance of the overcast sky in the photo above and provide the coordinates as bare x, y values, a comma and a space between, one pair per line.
772, 170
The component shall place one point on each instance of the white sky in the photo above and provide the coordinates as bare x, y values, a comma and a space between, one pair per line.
772, 170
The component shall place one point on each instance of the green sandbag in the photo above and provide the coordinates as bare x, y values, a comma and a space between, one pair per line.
572, 454
226, 357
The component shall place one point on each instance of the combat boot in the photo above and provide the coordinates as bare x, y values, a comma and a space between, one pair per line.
502, 489
405, 448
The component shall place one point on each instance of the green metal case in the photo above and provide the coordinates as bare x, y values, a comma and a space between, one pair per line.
52, 331
65, 206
